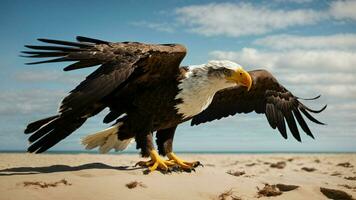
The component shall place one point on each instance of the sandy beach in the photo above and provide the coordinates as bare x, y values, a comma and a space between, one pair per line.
224, 176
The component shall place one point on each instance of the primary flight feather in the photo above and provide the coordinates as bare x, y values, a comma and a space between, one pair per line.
147, 91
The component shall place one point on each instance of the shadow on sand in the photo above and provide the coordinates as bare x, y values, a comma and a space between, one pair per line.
60, 168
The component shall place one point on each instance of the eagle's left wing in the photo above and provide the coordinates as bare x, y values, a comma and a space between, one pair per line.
265, 96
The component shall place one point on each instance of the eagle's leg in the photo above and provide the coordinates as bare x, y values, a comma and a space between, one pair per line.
165, 148
147, 149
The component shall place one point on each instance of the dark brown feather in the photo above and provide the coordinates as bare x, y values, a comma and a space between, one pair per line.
292, 125
302, 123
37, 124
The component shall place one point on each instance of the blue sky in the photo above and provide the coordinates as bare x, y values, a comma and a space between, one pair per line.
310, 46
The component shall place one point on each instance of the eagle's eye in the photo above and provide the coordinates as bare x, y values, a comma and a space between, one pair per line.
240, 73
226, 71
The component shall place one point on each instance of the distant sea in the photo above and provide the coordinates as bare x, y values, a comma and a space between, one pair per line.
187, 152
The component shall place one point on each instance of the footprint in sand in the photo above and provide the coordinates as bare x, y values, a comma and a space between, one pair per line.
250, 164
349, 187
345, 164
227, 195
236, 173
308, 169
86, 175
336, 174
40, 184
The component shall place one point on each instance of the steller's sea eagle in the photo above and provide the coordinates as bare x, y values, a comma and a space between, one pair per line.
147, 91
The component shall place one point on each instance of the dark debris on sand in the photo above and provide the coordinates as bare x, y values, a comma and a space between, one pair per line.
308, 169
134, 184
236, 173
278, 165
350, 178
41, 184
274, 190
268, 191
335, 194
345, 164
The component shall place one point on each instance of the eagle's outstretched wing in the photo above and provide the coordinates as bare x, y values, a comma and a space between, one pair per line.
119, 64
265, 96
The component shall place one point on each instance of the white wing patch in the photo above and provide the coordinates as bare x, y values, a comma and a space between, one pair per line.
195, 96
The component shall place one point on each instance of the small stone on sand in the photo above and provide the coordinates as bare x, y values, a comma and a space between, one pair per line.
335, 194
278, 165
286, 188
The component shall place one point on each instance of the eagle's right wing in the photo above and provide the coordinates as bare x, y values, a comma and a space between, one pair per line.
117, 62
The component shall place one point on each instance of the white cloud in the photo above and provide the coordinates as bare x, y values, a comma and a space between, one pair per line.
343, 107
346, 91
163, 27
321, 78
284, 41
343, 9
29, 101
313, 60
248, 57
243, 19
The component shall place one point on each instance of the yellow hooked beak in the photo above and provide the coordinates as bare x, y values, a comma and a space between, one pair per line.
240, 76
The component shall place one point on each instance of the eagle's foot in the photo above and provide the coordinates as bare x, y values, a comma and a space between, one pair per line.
186, 166
156, 162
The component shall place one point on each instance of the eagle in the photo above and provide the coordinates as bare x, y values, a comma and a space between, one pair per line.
147, 92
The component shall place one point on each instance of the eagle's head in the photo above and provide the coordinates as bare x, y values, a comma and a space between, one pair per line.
201, 82
227, 73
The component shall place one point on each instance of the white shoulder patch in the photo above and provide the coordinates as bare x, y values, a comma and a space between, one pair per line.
195, 94
197, 89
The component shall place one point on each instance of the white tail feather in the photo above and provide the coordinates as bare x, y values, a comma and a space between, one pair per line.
106, 140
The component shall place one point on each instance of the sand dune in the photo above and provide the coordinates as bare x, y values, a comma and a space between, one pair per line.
224, 176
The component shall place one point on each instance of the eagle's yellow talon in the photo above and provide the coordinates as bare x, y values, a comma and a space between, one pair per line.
154, 167
181, 163
156, 162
